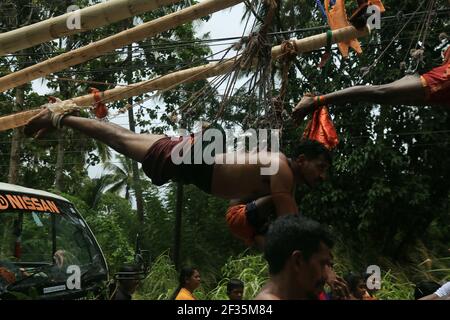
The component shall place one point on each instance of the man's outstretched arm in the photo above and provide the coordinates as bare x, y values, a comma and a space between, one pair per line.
407, 90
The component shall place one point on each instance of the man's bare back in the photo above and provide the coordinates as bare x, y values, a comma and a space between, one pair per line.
245, 181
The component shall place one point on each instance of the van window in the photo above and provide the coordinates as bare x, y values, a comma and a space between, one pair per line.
37, 247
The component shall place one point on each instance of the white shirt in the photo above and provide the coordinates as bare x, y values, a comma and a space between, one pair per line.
443, 291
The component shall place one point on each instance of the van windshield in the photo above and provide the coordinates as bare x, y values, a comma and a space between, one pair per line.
43, 243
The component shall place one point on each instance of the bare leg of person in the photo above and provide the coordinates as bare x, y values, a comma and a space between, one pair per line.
407, 90
124, 141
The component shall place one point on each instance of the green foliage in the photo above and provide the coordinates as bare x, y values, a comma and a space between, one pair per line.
250, 269
160, 282
163, 278
395, 287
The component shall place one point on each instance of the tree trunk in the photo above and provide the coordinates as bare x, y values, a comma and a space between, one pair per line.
178, 218
14, 159
65, 93
59, 168
136, 179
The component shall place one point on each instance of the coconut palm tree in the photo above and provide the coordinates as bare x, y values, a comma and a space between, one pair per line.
121, 172
93, 189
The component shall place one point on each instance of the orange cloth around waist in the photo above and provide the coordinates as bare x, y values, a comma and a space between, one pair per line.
437, 84
236, 218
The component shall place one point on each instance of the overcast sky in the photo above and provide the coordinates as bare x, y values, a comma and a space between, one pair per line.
225, 23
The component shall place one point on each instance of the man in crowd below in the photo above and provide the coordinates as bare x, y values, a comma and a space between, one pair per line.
298, 251
235, 289
127, 283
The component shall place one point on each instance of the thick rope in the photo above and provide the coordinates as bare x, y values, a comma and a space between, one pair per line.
289, 54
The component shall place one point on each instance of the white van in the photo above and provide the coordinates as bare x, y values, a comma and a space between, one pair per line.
47, 250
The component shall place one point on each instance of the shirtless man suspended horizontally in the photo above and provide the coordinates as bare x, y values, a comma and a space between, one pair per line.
239, 179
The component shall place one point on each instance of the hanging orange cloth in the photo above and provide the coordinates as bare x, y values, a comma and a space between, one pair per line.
321, 128
100, 109
337, 19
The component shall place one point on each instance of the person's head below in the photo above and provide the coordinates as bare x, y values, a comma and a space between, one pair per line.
313, 160
356, 285
128, 281
235, 289
298, 251
425, 288
189, 279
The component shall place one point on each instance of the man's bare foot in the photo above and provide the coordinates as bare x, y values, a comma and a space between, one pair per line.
39, 124
303, 108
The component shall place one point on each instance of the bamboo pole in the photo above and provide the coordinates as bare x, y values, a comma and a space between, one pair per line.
320, 40
161, 83
96, 49
182, 76
119, 93
90, 18
214, 69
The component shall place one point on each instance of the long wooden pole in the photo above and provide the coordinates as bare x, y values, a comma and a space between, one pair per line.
184, 76
320, 40
101, 47
216, 68
64, 25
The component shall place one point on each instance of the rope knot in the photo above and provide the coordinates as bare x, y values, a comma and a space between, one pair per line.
288, 49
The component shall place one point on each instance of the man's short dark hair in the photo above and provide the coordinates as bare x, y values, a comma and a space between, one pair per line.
292, 232
312, 149
234, 284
